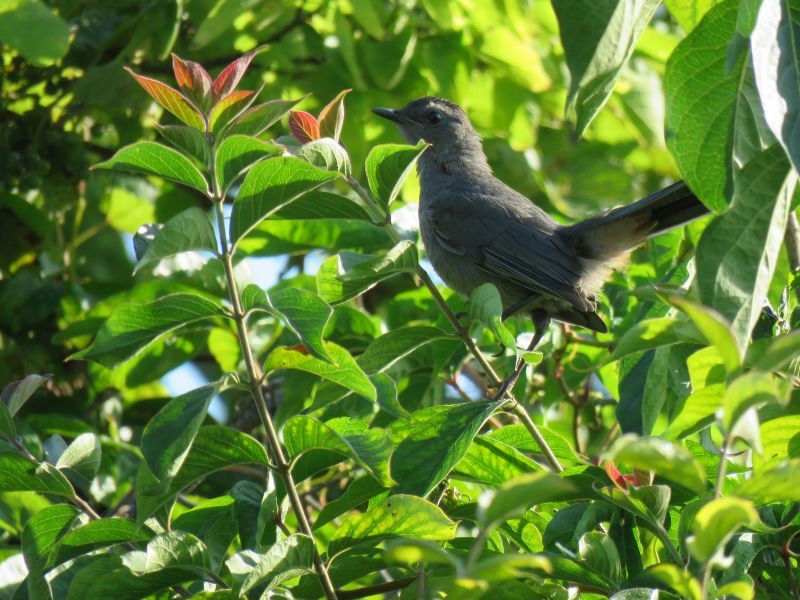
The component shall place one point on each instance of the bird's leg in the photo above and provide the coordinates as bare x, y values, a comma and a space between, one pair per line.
540, 322
515, 308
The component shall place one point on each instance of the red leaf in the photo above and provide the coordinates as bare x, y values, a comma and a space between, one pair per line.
194, 78
331, 118
227, 81
614, 475
228, 108
304, 126
172, 100
299, 348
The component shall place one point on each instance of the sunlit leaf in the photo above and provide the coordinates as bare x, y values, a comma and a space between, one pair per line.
151, 158
132, 327
227, 81
304, 126
331, 117
716, 522
288, 558
387, 168
228, 108
194, 78
513, 497
172, 100
259, 118
236, 154
188, 230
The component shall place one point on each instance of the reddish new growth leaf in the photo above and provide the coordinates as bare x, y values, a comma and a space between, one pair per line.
304, 126
299, 348
622, 481
172, 100
192, 77
331, 118
230, 77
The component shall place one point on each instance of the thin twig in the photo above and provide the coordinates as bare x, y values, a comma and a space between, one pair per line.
792, 241
378, 588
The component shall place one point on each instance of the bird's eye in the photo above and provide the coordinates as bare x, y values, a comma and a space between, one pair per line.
434, 117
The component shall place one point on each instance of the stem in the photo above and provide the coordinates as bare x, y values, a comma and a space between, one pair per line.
787, 562
254, 374
665, 540
462, 333
792, 242
380, 588
723, 467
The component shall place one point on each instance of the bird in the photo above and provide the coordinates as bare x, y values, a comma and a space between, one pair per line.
477, 229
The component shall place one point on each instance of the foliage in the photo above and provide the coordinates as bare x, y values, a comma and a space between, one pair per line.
341, 436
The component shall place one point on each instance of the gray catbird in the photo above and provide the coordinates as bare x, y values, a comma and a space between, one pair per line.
476, 229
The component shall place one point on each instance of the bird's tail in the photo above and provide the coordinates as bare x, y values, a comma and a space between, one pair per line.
618, 231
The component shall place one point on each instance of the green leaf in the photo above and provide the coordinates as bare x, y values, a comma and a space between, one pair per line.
393, 346
172, 100
387, 168
167, 437
697, 412
189, 140
17, 393
18, 474
598, 38
7, 427
652, 333
678, 579
599, 553
235, 155
716, 522
288, 558
151, 158
781, 351
131, 327
411, 552
688, 13
331, 117
397, 516
777, 484
188, 230
369, 447
348, 275
779, 442
746, 391
305, 314
738, 252
82, 456
43, 533
715, 329
515, 57
358, 492
326, 153
775, 43
661, 457
261, 117
701, 91
520, 438
486, 307
229, 107
269, 186
213, 448
492, 462
322, 205
98, 534
432, 442
650, 502
343, 369
511, 499
31, 28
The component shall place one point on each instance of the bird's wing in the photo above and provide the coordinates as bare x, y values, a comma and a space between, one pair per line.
519, 248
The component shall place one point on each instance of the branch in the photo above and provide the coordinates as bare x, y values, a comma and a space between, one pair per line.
282, 465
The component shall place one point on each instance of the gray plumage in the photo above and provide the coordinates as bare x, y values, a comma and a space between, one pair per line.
476, 229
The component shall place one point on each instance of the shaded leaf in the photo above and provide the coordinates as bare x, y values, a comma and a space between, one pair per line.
194, 78
514, 497
189, 140
17, 393
132, 327
486, 307
326, 153
387, 168
188, 230
369, 447
347, 274
82, 456
236, 154
98, 534
598, 38
342, 369
432, 442
18, 474
168, 436
269, 186
288, 558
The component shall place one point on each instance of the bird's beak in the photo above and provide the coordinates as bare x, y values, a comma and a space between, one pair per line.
388, 113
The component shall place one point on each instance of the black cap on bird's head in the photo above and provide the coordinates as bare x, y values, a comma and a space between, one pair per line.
437, 121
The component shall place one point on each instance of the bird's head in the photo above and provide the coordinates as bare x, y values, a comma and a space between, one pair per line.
441, 123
